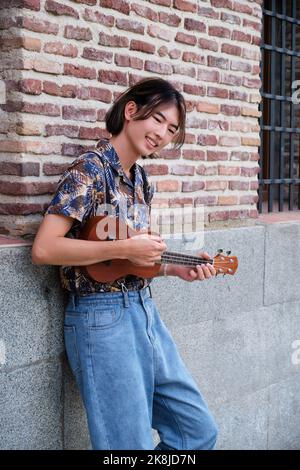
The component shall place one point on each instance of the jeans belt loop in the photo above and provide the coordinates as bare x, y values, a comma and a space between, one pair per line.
125, 294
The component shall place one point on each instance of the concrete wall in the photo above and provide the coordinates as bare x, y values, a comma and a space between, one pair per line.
234, 333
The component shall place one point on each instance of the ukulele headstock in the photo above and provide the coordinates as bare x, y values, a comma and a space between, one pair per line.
225, 264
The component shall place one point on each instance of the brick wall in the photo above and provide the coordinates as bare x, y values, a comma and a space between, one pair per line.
63, 63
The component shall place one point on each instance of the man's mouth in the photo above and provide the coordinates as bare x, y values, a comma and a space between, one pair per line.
151, 142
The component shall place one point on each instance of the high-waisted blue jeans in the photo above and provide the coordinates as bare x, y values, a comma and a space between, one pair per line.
131, 376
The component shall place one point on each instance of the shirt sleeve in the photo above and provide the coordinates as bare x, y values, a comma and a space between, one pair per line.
75, 192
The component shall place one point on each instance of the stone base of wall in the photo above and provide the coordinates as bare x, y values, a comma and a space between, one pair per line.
237, 336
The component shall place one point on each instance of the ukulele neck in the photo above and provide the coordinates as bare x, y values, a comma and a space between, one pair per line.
172, 257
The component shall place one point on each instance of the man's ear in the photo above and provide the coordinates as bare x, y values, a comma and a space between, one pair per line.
130, 109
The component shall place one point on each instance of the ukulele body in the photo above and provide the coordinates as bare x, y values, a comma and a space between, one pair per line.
108, 228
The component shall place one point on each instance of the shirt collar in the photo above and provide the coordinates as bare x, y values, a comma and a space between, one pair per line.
113, 159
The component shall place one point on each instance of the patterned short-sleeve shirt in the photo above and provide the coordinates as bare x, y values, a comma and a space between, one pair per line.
92, 181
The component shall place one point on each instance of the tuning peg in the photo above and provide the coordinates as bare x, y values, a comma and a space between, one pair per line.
220, 250
228, 252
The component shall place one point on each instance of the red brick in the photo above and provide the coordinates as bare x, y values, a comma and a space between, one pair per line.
75, 32
207, 170
209, 44
208, 75
218, 62
230, 141
90, 133
218, 216
183, 170
194, 89
167, 186
217, 92
227, 200
20, 209
229, 79
230, 110
190, 154
127, 61
113, 40
97, 17
208, 12
185, 5
186, 39
238, 155
207, 140
130, 25
38, 25
222, 4
160, 68
251, 141
211, 108
207, 200
215, 185
253, 171
158, 32
120, 5
242, 8
30, 86
240, 66
22, 188
60, 9
144, 12
169, 154
73, 150
229, 18
241, 36
80, 71
142, 46
194, 25
189, 186
156, 169
249, 199
111, 77
239, 214
79, 114
190, 71
47, 109
169, 19
254, 185
252, 82
181, 202
216, 155
51, 169
231, 49
47, 66
56, 129
252, 24
238, 185
228, 170
238, 95
96, 54
20, 169
218, 124
60, 48
189, 56
86, 2
219, 31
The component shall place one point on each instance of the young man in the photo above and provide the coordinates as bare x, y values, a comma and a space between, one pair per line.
126, 364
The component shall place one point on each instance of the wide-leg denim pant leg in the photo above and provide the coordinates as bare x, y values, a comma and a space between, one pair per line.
131, 376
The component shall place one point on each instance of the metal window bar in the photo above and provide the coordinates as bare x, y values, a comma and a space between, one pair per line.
277, 174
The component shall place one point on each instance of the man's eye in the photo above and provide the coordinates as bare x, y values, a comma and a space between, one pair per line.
156, 119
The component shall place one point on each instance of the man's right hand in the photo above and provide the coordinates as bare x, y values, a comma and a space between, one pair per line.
144, 249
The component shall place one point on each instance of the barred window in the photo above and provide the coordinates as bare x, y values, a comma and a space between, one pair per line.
279, 177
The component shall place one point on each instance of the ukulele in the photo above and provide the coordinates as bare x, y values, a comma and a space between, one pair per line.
108, 228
